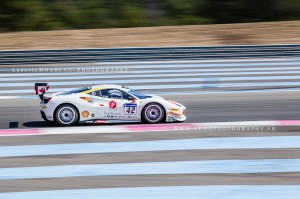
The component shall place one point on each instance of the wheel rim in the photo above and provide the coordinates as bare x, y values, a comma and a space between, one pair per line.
153, 113
66, 115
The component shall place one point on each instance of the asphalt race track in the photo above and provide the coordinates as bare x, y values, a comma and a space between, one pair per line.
213, 107
260, 169
55, 175
212, 90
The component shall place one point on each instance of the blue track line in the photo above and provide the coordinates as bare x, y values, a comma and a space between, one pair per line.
168, 192
155, 168
269, 142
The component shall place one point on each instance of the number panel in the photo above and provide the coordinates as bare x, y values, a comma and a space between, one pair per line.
130, 109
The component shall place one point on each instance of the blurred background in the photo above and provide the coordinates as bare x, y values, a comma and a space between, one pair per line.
129, 23
54, 24
32, 15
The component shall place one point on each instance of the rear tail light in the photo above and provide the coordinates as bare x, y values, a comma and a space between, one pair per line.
184, 112
47, 100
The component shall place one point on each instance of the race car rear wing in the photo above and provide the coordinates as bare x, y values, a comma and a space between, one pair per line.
40, 89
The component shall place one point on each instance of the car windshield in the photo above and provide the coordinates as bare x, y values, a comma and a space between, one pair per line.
79, 90
138, 94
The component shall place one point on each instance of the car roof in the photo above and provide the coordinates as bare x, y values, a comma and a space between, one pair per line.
104, 86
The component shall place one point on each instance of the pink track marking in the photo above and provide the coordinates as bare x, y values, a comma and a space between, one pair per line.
132, 128
289, 122
15, 132
161, 127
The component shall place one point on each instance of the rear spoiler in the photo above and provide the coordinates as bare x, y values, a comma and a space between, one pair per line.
40, 89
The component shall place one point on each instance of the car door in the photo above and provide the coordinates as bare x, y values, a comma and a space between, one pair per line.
117, 105
96, 102
131, 106
110, 104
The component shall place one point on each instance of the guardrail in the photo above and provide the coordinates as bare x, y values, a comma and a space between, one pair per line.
166, 77
145, 54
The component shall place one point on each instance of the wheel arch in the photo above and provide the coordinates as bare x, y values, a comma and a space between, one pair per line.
164, 109
65, 103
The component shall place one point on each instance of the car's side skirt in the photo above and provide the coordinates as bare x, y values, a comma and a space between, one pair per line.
99, 121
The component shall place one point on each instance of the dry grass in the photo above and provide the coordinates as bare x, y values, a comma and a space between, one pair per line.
194, 35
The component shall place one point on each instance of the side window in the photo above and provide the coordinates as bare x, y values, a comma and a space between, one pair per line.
95, 93
126, 95
111, 93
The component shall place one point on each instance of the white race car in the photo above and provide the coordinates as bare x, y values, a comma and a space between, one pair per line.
106, 104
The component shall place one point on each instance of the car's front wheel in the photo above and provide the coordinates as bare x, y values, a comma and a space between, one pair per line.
66, 115
153, 113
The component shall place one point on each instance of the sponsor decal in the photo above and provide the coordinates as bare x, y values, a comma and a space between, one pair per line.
130, 109
111, 113
112, 104
93, 115
89, 122
85, 114
130, 105
100, 121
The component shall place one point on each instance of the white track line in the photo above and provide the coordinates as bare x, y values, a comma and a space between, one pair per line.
168, 192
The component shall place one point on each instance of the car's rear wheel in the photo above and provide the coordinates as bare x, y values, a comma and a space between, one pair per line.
153, 113
66, 115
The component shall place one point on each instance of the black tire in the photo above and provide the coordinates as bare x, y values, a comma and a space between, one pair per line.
66, 115
153, 113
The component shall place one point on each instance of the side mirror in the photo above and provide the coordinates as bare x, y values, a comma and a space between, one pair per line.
130, 98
